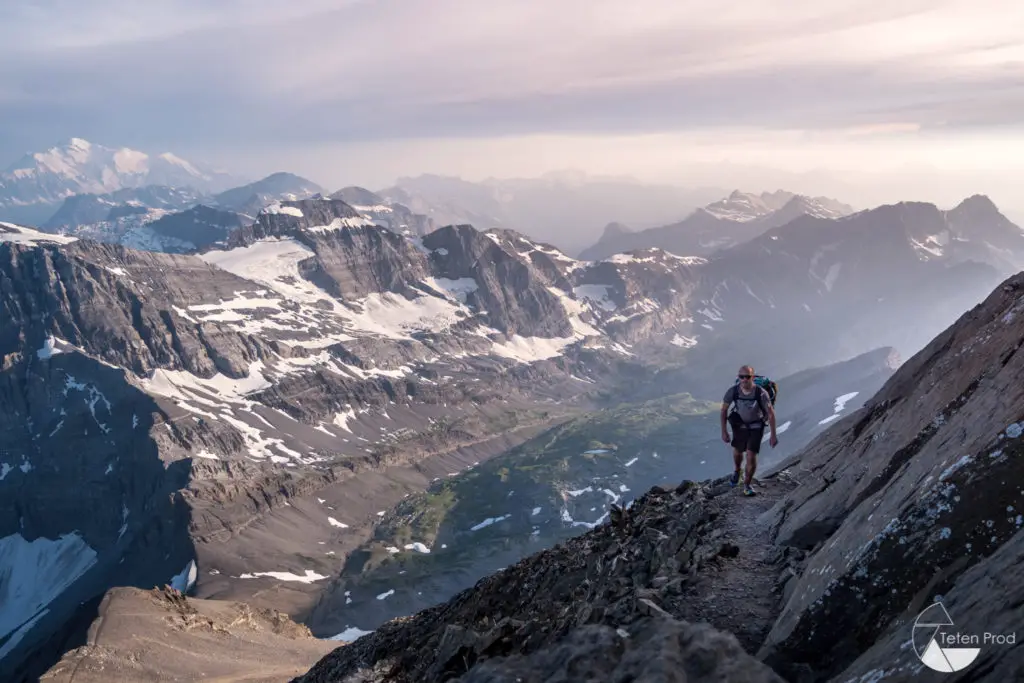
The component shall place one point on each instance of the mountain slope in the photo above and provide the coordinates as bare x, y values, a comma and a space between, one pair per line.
906, 502
719, 225
33, 187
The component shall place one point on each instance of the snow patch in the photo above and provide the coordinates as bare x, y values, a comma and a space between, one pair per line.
531, 349
350, 634
309, 577
276, 208
184, 580
36, 572
596, 293
418, 547
488, 522
48, 349
684, 342
19, 235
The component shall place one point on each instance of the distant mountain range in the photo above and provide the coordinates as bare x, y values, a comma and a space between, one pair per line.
562, 208
719, 225
33, 187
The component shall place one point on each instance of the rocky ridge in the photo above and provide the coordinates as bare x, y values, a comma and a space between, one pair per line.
141, 635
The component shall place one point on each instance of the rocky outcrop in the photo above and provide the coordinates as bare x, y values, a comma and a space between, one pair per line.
119, 305
160, 635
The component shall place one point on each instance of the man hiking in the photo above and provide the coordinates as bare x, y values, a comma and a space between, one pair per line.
753, 405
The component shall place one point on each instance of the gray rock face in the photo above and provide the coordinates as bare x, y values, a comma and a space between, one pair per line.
910, 496
196, 228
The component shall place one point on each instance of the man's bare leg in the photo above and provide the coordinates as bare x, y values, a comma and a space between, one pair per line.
751, 468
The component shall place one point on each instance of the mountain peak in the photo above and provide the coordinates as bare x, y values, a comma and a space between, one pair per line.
78, 143
614, 229
978, 203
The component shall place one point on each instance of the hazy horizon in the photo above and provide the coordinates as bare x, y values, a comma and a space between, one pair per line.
910, 100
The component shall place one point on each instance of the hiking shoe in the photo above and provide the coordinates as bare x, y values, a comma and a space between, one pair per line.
734, 479
749, 492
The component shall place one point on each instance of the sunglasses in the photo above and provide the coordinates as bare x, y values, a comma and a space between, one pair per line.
744, 376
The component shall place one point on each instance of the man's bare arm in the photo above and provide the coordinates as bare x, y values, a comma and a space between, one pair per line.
725, 411
771, 420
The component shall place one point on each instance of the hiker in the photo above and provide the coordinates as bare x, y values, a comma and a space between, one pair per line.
752, 405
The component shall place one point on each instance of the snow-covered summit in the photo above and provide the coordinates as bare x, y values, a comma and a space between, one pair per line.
32, 187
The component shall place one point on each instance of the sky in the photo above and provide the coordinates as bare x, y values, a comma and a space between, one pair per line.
919, 99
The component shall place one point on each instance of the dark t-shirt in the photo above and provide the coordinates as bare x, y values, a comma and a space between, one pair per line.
750, 407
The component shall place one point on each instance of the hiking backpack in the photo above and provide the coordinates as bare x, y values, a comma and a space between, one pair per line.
765, 383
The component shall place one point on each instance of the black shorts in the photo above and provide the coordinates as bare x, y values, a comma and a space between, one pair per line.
746, 437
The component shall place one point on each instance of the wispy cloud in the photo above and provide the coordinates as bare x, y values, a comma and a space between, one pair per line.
241, 73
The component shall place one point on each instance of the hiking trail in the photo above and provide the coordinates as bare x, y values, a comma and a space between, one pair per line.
739, 594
